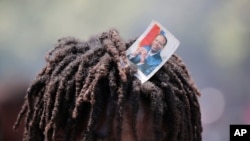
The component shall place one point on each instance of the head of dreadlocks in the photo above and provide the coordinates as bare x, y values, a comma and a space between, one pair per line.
87, 91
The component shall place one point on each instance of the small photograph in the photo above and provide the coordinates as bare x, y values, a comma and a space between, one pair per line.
152, 50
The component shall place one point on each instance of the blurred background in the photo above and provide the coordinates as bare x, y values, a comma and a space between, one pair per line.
214, 38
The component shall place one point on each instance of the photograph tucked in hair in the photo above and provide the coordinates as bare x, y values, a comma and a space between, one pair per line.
148, 57
152, 50
87, 91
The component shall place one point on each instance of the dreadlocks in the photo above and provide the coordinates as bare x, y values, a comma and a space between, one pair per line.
87, 91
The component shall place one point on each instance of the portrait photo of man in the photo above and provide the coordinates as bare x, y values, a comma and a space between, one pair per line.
151, 50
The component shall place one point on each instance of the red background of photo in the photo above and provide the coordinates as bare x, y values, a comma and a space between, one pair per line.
148, 39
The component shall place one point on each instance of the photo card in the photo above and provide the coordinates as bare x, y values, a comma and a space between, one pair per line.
152, 50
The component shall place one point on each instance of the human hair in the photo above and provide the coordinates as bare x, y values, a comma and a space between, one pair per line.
86, 82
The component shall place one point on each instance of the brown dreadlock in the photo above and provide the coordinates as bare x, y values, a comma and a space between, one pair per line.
88, 85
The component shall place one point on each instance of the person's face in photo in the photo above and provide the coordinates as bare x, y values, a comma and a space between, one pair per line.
158, 43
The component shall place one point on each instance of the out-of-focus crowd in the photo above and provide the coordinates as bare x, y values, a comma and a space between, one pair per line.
11, 99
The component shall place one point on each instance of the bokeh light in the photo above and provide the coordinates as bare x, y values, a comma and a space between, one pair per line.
212, 105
